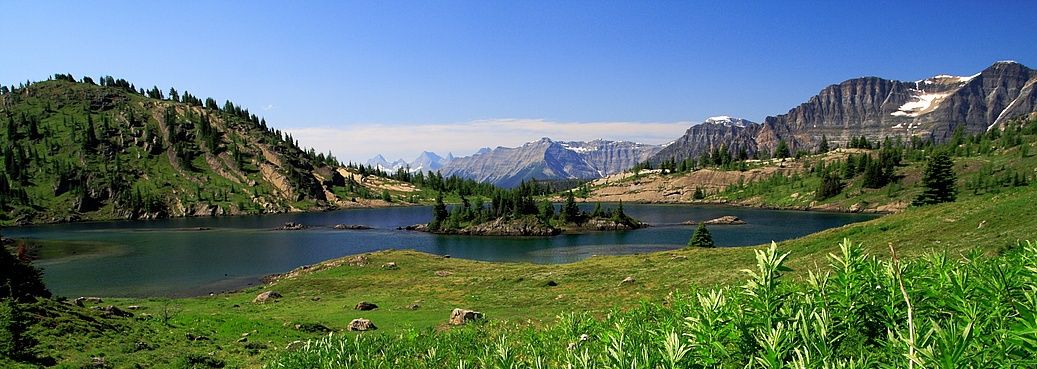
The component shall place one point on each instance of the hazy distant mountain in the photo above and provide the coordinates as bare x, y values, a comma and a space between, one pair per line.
546, 159
425, 161
429, 161
383, 164
878, 108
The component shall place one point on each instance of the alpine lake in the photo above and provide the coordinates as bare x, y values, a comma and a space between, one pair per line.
197, 256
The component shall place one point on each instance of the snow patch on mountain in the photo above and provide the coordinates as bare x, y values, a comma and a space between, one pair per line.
920, 105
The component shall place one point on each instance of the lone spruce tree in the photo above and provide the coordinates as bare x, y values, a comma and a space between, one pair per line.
439, 213
701, 237
938, 181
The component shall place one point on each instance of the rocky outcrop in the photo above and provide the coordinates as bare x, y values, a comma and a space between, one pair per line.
360, 325
463, 316
724, 220
364, 305
605, 224
291, 226
351, 227
525, 226
267, 296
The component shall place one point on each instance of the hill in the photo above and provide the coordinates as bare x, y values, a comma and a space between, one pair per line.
85, 150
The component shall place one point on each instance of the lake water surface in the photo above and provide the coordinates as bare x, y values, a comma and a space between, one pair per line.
169, 258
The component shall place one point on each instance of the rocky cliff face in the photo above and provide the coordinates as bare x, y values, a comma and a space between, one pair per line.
546, 160
877, 108
723, 131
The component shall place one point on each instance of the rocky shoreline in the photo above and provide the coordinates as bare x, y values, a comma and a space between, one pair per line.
531, 228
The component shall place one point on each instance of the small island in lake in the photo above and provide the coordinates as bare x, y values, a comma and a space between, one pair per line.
516, 213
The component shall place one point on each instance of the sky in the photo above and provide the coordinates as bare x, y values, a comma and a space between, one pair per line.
361, 78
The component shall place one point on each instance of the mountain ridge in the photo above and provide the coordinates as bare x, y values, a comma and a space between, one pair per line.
930, 108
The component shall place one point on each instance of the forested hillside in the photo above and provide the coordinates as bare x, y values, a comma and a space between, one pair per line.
106, 149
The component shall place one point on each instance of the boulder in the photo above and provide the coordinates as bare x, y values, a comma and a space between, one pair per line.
390, 265
364, 305
443, 273
856, 208
726, 220
462, 316
416, 227
551, 284
111, 310
80, 301
628, 280
290, 226
355, 227
267, 296
361, 324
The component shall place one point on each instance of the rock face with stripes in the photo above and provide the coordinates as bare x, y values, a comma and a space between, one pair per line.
878, 108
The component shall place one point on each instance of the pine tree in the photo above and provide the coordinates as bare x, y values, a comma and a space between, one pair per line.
570, 212
823, 147
701, 237
938, 181
439, 212
830, 186
782, 151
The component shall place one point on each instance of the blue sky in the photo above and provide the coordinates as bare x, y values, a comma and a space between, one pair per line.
362, 78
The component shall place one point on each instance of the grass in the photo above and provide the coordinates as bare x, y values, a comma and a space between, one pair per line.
976, 313
508, 293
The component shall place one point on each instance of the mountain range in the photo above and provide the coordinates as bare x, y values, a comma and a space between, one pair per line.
876, 108
544, 159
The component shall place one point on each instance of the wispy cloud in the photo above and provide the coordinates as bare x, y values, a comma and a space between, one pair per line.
269, 107
360, 142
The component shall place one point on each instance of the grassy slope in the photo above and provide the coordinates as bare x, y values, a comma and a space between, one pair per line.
514, 291
797, 191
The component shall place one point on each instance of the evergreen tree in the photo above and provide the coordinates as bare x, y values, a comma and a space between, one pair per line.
782, 151
830, 186
547, 210
570, 212
823, 147
20, 280
439, 213
701, 237
938, 180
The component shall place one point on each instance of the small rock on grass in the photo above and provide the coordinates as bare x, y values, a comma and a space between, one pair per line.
364, 305
462, 316
361, 324
267, 296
